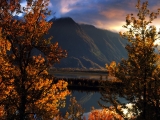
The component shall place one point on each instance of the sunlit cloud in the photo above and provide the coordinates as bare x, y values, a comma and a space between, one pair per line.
115, 26
105, 14
65, 5
114, 14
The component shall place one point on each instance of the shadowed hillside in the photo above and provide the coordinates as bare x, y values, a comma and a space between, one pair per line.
87, 46
109, 43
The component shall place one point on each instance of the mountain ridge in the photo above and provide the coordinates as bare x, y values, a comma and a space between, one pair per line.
87, 46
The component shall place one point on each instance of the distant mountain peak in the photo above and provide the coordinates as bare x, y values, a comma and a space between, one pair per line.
87, 46
64, 20
88, 25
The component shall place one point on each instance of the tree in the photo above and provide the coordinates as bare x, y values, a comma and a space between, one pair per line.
139, 73
104, 114
27, 91
75, 111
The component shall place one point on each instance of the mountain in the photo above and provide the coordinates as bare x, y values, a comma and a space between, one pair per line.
87, 46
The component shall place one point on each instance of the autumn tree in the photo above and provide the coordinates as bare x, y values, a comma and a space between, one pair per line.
104, 114
140, 73
75, 111
27, 91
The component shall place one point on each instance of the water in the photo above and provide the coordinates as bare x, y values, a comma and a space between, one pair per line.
80, 74
86, 99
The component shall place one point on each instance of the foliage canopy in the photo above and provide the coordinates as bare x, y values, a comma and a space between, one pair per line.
140, 73
27, 91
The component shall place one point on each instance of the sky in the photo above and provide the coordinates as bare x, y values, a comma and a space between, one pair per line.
105, 14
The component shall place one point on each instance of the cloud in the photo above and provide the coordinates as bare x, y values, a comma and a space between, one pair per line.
50, 5
114, 14
115, 26
106, 14
96, 12
65, 5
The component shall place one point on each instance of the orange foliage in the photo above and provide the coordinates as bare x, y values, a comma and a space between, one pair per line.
26, 88
104, 114
2, 112
75, 111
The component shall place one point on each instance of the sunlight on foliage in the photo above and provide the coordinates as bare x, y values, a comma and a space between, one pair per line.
27, 90
75, 111
140, 72
104, 114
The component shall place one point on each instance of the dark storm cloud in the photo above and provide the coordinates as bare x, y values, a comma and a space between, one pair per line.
107, 14
101, 13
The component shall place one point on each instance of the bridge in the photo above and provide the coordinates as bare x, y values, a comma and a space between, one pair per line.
84, 80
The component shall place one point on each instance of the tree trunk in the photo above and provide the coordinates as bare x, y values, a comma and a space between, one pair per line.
144, 103
144, 95
22, 105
